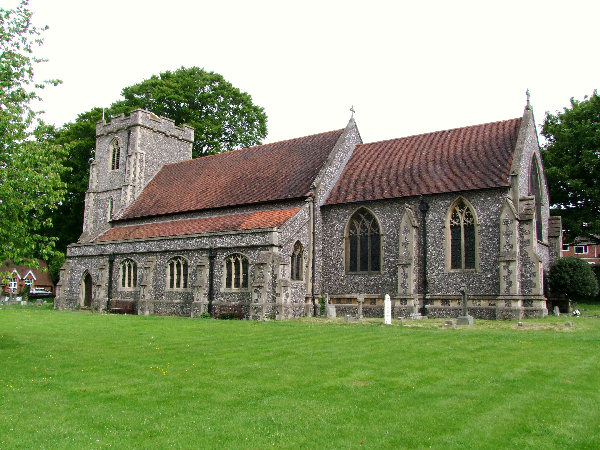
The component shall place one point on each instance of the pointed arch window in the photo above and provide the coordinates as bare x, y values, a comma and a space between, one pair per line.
536, 192
177, 273
128, 274
236, 272
115, 154
297, 262
363, 243
462, 236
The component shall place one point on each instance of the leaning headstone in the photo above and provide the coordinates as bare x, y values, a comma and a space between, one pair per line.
556, 311
387, 310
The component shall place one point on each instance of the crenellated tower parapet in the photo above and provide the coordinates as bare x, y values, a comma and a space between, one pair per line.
146, 119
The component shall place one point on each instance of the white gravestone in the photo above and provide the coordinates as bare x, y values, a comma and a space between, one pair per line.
387, 310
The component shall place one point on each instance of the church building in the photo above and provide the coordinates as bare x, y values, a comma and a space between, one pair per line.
275, 230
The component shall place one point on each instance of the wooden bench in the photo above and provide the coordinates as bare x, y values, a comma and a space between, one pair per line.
122, 307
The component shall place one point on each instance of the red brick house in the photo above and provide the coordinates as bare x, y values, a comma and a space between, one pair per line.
38, 280
584, 247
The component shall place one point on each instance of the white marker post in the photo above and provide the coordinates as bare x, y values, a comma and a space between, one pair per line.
387, 310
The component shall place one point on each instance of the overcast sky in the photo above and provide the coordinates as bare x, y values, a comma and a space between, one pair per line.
408, 67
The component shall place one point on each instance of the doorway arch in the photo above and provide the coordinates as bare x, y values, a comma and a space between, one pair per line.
87, 290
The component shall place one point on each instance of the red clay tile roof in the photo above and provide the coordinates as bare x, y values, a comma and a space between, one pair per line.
247, 221
462, 159
278, 171
41, 274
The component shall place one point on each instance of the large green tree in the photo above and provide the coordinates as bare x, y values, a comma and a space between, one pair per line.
223, 117
30, 166
572, 164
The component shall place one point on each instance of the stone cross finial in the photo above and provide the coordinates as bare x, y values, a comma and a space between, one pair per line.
352, 111
528, 95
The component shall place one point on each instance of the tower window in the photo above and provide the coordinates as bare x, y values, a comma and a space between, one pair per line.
115, 154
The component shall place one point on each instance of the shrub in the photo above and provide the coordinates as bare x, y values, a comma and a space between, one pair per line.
574, 278
596, 270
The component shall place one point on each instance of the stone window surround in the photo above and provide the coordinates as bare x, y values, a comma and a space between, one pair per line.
86, 273
447, 240
241, 288
114, 151
346, 247
128, 264
184, 276
297, 262
536, 193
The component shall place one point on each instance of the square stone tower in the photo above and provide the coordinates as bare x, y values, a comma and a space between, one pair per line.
130, 150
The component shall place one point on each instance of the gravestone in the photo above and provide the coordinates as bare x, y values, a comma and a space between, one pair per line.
415, 315
329, 308
330, 311
465, 319
556, 311
387, 310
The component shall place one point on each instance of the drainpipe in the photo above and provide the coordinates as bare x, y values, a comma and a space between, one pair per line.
111, 260
212, 253
424, 207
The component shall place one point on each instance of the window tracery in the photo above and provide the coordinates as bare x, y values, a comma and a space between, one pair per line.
236, 271
128, 274
462, 236
177, 273
363, 243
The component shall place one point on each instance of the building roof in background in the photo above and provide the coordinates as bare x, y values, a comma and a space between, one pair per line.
41, 274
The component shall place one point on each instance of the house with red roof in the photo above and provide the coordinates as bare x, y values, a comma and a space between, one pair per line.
584, 247
274, 230
37, 278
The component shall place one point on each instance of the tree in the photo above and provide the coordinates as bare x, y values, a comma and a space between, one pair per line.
572, 164
223, 117
30, 166
574, 278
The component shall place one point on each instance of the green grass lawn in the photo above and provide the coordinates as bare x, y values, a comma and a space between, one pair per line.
82, 380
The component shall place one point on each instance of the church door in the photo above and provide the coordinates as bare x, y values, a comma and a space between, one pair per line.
87, 290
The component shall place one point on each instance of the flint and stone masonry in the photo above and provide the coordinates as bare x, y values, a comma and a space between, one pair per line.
282, 257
